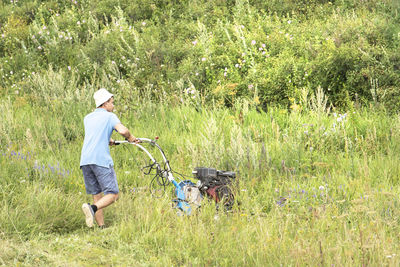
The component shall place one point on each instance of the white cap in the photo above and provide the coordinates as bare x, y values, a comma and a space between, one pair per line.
101, 96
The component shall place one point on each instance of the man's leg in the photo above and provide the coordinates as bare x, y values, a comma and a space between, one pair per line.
101, 202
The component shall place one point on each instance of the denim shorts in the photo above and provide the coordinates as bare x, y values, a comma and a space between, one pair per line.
99, 179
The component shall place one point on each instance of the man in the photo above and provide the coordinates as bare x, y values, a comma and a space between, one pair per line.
96, 162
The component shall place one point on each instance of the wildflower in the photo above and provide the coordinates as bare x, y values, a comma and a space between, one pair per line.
33, 36
281, 202
194, 42
237, 65
253, 42
321, 187
242, 26
113, 62
289, 21
44, 28
39, 47
144, 23
250, 86
203, 59
78, 22
260, 48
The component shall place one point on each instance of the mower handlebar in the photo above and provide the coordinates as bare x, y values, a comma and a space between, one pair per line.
142, 140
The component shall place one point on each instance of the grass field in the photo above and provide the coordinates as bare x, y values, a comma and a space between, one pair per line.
314, 188
299, 98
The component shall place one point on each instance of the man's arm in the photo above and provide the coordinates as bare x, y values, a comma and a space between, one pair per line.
122, 130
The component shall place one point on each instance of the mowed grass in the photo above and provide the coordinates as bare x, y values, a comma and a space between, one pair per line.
312, 188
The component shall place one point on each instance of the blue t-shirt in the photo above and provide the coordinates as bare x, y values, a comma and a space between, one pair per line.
99, 126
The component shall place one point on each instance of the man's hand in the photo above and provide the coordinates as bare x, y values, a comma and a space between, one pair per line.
133, 139
111, 142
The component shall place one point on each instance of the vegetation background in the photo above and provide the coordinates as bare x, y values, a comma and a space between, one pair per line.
300, 98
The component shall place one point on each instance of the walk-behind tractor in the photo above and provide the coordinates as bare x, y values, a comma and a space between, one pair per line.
211, 183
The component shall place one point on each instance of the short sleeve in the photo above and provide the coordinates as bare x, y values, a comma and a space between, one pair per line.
114, 120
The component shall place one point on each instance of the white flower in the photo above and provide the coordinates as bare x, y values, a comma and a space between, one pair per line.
237, 65
194, 42
79, 23
144, 23
321, 187
203, 59
253, 42
69, 67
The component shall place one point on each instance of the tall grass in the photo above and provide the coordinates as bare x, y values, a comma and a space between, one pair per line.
248, 86
314, 186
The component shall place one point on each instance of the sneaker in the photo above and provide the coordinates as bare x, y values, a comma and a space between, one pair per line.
88, 211
102, 227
